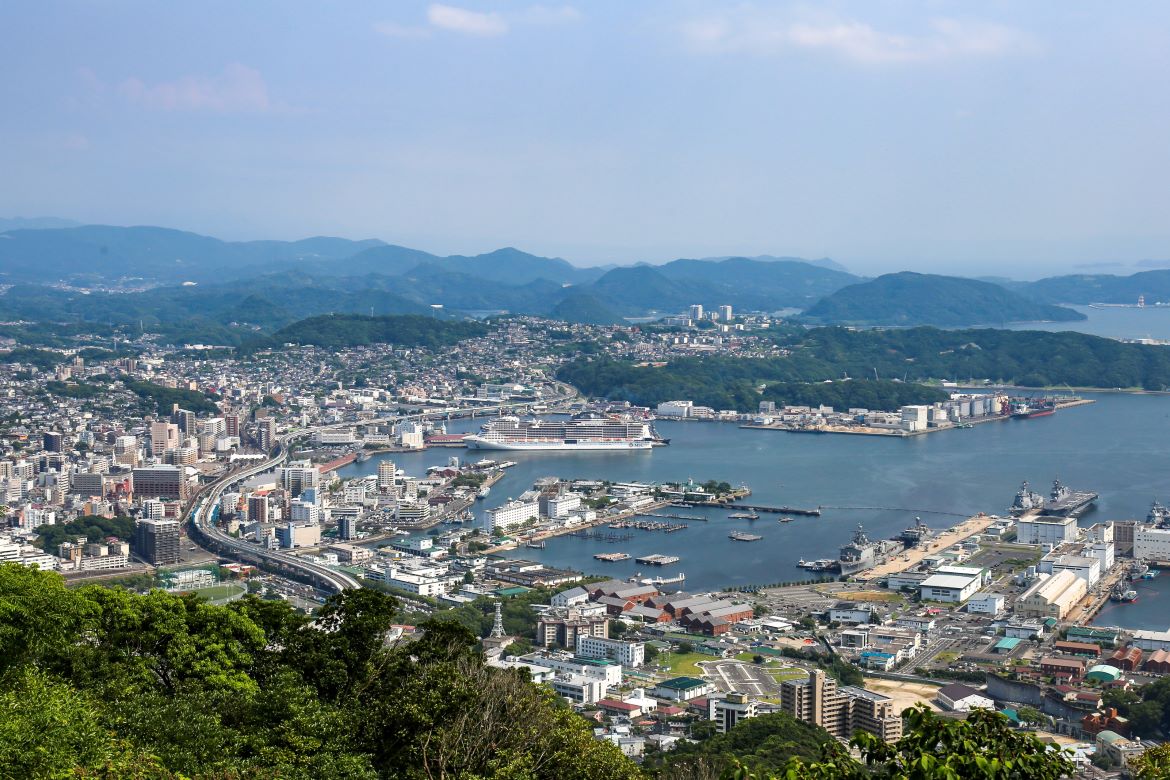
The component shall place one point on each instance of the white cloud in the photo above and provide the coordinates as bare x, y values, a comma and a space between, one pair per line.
480, 23
461, 20
765, 33
395, 30
237, 89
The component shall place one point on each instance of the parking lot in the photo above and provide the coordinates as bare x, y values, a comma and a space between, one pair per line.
741, 677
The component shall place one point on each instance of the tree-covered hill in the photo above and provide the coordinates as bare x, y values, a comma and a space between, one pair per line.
354, 330
906, 299
732, 383
902, 356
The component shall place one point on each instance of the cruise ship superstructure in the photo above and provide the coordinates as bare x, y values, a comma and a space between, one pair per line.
580, 433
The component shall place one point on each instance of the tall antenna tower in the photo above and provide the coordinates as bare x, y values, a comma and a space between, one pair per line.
498, 624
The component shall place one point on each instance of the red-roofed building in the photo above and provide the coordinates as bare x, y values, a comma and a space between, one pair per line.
616, 707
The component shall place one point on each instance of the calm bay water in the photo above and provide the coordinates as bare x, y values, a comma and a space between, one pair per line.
1118, 447
1150, 322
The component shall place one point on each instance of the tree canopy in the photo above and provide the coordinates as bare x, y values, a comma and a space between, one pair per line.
107, 683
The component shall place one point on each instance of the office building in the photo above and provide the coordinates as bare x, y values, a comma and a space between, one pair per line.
157, 541
160, 482
1046, 530
347, 527
292, 535
840, 710
163, 436
628, 654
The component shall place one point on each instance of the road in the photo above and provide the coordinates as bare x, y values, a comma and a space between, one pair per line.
330, 579
209, 533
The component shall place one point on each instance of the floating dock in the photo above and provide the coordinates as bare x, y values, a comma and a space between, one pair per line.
657, 560
612, 557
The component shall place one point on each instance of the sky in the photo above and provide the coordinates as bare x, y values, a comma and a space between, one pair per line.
991, 138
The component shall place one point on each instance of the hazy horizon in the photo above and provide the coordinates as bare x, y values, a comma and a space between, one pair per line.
994, 140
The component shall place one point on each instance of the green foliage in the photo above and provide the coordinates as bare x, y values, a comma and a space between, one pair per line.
1028, 358
92, 527
352, 330
74, 390
1154, 764
96, 682
1148, 708
161, 399
733, 383
908, 298
41, 358
934, 748
764, 744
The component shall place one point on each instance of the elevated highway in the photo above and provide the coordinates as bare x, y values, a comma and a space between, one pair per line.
206, 531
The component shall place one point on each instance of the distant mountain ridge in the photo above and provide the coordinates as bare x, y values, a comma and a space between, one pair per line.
907, 298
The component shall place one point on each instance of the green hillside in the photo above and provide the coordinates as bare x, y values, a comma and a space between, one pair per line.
906, 298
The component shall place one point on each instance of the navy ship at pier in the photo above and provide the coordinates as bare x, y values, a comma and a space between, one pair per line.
861, 554
1061, 501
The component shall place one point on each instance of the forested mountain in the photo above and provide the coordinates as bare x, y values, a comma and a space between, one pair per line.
102, 254
1101, 288
908, 298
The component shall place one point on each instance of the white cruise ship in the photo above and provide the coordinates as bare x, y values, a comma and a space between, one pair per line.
579, 433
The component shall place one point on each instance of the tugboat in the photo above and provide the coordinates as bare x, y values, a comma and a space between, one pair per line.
1124, 596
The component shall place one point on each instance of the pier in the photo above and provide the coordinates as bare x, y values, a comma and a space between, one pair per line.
672, 516
603, 536
657, 560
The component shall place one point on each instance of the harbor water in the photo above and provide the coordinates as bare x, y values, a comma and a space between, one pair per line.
1118, 447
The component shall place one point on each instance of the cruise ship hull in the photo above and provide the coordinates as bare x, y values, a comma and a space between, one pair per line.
483, 443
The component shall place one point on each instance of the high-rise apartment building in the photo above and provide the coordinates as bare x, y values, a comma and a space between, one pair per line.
157, 541
258, 508
840, 710
185, 420
299, 476
53, 441
386, 471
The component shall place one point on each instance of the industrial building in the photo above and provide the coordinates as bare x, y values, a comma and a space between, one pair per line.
1053, 595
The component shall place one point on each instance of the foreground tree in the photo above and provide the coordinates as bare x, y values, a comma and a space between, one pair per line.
984, 746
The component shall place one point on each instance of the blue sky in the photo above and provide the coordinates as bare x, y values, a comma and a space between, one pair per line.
973, 138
